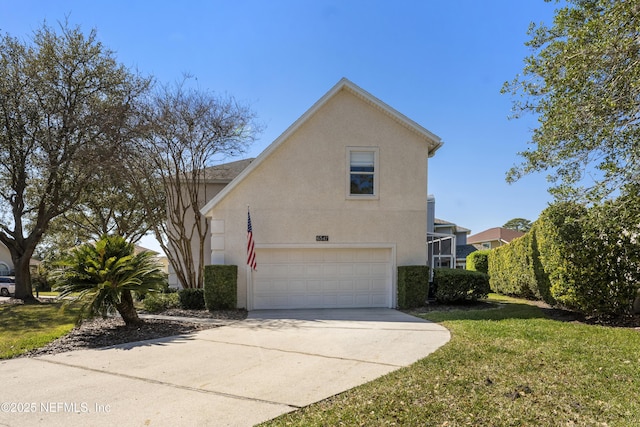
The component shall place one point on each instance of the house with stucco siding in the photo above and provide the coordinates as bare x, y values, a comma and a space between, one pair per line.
6, 265
494, 237
337, 203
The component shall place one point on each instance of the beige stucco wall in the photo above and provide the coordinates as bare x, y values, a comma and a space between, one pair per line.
300, 190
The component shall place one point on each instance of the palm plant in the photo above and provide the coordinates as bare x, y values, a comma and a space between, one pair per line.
104, 276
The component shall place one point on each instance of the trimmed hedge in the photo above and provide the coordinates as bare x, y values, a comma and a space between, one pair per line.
191, 299
413, 286
221, 287
511, 269
479, 261
453, 285
583, 258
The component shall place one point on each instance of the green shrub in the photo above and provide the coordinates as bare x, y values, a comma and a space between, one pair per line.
157, 302
479, 261
221, 287
592, 254
583, 258
191, 299
516, 269
454, 285
413, 286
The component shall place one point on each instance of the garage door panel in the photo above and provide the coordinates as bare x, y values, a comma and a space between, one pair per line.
362, 285
345, 300
330, 270
345, 269
346, 285
362, 269
314, 270
378, 269
378, 285
322, 278
330, 285
378, 299
278, 285
312, 286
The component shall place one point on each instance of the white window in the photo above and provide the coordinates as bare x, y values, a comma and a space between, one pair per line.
362, 179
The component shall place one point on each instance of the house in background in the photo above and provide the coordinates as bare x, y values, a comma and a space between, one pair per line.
446, 242
6, 265
215, 179
337, 203
493, 237
161, 259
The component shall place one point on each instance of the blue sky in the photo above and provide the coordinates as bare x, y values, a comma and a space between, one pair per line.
441, 63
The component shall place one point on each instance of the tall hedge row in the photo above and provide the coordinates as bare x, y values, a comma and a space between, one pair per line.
584, 259
516, 269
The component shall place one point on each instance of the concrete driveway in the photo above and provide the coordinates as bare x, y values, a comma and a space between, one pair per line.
273, 362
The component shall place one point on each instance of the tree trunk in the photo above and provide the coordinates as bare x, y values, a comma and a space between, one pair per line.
127, 310
23, 279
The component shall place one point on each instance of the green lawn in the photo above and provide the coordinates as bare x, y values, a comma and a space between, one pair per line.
510, 366
25, 327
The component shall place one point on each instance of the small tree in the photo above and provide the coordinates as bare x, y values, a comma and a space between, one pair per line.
186, 131
104, 276
581, 84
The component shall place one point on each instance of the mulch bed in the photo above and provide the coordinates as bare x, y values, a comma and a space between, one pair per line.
99, 332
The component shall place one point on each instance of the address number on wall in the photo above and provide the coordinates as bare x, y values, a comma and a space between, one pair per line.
322, 238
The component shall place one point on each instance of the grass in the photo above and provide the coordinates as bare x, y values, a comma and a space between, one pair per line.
47, 293
510, 366
25, 327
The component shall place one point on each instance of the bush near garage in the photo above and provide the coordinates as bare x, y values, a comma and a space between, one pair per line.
455, 286
221, 287
413, 286
192, 298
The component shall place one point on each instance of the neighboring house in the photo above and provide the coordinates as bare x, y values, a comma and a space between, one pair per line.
337, 203
215, 179
6, 265
493, 237
162, 260
442, 236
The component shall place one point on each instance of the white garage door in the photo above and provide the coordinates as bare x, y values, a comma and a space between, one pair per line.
322, 278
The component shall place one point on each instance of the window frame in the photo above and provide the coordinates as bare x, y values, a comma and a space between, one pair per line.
376, 173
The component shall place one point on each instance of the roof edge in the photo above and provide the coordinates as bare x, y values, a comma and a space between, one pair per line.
343, 83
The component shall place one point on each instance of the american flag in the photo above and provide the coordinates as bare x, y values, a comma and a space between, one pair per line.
251, 253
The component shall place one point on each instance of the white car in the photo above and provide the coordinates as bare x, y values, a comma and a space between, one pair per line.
7, 286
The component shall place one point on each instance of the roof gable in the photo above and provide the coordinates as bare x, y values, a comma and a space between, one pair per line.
433, 141
226, 172
495, 234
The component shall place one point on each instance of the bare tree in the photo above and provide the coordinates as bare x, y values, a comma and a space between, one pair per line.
64, 101
187, 131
